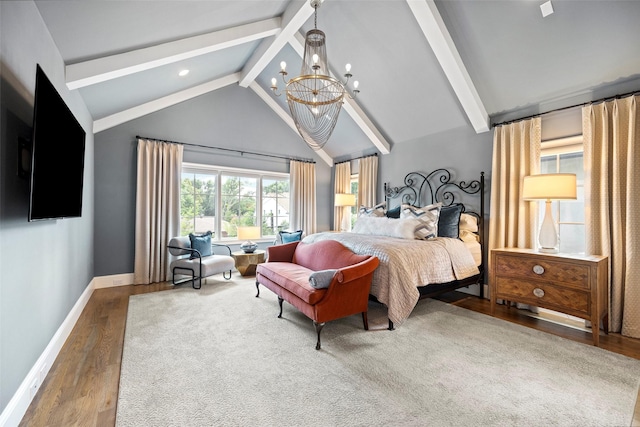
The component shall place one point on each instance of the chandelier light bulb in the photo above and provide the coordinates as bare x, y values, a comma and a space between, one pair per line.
348, 68
356, 84
283, 65
273, 81
315, 58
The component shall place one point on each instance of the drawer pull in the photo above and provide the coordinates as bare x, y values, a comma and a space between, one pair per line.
538, 292
538, 269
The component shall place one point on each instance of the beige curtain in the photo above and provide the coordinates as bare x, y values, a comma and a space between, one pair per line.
368, 181
516, 154
342, 184
303, 196
611, 132
157, 208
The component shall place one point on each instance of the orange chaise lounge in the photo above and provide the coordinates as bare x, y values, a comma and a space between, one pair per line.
324, 280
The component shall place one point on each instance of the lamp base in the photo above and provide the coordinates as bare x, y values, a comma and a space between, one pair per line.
548, 250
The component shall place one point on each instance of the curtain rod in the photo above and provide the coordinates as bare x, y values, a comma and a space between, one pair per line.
624, 95
356, 158
230, 149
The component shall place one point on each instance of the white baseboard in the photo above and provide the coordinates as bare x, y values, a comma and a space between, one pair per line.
19, 403
113, 280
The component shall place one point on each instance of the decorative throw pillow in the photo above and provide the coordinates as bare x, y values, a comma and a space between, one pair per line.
377, 210
468, 222
427, 217
290, 236
201, 243
449, 221
393, 213
321, 279
383, 226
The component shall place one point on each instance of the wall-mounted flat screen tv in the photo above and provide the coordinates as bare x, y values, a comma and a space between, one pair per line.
57, 156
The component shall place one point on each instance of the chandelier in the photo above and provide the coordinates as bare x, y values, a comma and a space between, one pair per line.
314, 97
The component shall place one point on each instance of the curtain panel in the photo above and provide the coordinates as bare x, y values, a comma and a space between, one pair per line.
341, 184
303, 196
157, 208
611, 134
516, 154
368, 181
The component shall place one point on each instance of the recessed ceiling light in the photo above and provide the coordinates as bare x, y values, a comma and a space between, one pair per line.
183, 73
546, 8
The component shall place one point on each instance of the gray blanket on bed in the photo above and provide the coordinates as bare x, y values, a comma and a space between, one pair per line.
406, 264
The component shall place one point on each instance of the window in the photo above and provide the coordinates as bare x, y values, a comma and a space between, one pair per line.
354, 190
221, 199
566, 156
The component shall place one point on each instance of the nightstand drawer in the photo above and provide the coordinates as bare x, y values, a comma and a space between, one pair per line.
535, 268
538, 294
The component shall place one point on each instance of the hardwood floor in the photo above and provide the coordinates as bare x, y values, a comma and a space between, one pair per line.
81, 388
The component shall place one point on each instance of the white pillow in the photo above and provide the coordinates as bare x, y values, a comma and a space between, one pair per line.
469, 223
427, 217
468, 236
383, 226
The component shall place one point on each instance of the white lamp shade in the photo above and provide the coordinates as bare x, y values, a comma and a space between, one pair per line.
248, 233
551, 186
345, 199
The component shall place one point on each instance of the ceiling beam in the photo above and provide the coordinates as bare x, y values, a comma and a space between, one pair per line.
110, 67
284, 115
351, 106
296, 14
161, 103
434, 29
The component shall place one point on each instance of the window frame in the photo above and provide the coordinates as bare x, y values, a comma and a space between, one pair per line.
219, 171
557, 147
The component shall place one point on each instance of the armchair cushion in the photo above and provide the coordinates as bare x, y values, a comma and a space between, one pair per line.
290, 236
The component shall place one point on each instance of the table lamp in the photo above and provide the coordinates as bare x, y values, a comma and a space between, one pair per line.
548, 187
248, 233
345, 200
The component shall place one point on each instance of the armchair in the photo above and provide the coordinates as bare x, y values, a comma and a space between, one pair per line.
198, 264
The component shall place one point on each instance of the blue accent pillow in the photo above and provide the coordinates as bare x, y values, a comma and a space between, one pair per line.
321, 279
393, 213
290, 236
449, 221
201, 243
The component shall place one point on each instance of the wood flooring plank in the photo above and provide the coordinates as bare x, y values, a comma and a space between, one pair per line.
82, 386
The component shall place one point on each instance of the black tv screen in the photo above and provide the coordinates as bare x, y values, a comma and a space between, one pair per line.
57, 156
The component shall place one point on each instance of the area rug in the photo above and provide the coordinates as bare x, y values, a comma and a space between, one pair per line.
219, 356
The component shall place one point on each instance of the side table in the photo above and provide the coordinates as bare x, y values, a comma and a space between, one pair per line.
571, 284
246, 263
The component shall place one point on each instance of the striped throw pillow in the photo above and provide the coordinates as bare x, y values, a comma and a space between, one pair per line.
377, 210
427, 217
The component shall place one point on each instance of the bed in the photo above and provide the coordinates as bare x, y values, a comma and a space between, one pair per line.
411, 269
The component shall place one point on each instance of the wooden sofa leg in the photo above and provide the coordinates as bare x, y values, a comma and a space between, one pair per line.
280, 301
318, 327
365, 320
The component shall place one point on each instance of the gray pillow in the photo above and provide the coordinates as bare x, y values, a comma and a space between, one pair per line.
321, 279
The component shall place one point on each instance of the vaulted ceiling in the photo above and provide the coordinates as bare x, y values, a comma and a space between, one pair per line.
424, 67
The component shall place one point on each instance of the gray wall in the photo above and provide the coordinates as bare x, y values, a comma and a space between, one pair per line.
44, 266
232, 117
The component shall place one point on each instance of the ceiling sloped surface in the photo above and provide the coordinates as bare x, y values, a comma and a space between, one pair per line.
514, 57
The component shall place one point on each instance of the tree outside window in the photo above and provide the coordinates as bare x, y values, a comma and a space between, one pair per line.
220, 200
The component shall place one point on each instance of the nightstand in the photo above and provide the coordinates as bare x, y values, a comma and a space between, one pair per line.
571, 284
